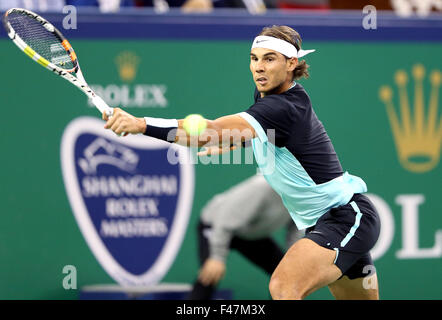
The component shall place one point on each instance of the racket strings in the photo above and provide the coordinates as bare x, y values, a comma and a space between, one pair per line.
45, 43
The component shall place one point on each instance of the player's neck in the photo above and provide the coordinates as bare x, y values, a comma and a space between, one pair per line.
287, 85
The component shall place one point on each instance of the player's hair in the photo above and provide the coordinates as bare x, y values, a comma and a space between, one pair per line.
288, 34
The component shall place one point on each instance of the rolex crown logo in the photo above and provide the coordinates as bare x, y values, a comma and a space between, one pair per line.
417, 133
127, 63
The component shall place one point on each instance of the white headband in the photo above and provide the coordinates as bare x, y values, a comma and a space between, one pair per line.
279, 45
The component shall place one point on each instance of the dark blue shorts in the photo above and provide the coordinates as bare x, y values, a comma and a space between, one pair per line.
351, 230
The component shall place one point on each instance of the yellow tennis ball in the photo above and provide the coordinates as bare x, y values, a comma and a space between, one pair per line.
194, 124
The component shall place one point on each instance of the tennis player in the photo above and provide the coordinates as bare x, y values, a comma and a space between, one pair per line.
341, 223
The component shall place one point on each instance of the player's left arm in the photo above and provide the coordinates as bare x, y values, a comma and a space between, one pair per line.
221, 135
224, 132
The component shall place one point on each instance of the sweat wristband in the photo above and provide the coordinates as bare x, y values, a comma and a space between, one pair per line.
164, 129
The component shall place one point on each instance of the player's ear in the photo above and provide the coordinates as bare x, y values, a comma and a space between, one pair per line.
292, 63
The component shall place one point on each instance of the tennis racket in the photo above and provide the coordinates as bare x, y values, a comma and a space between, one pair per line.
44, 44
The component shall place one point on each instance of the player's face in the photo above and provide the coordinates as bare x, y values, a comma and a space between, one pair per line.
271, 71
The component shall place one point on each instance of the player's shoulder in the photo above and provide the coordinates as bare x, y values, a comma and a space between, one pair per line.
297, 95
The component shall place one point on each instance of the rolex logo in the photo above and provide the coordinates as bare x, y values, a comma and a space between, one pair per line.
132, 93
127, 63
417, 131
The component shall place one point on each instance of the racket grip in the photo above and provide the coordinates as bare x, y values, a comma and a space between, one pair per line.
102, 106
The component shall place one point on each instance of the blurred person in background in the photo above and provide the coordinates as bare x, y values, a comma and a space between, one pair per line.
243, 218
303, 4
36, 5
57, 5
253, 6
160, 6
104, 5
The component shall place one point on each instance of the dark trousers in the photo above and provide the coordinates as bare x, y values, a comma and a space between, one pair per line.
264, 253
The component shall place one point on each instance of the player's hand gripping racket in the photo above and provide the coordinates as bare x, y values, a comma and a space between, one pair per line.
43, 43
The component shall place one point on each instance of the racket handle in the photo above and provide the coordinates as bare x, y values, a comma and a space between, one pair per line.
102, 106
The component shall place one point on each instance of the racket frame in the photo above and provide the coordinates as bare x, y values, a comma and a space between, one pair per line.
78, 81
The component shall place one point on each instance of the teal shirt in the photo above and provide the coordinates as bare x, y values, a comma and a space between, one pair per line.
305, 200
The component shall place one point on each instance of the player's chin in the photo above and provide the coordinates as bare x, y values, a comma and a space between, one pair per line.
262, 88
